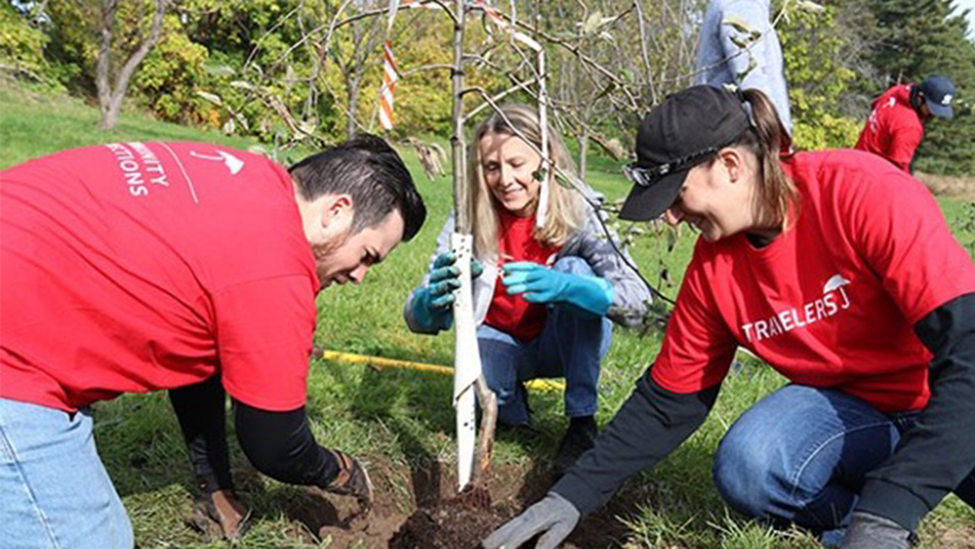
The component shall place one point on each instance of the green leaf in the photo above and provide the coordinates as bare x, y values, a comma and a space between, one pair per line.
211, 97
593, 22
219, 69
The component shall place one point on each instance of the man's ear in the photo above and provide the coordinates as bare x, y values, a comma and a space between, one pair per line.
336, 209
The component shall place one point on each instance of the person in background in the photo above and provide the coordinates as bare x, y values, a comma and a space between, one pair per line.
830, 266
896, 124
546, 297
135, 267
738, 45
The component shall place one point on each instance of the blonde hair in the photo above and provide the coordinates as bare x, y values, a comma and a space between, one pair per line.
565, 214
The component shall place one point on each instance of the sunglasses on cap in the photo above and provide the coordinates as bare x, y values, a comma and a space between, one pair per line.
645, 177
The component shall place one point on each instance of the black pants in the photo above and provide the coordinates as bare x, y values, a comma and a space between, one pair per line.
200, 410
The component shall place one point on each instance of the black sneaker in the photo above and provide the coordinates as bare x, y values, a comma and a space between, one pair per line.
580, 437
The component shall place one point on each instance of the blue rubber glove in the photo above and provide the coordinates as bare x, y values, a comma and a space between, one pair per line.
433, 305
540, 284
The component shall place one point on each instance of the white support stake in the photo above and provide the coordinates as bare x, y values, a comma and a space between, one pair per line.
546, 168
467, 360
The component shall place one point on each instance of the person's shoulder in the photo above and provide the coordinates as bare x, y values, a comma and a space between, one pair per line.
233, 157
842, 165
845, 178
746, 8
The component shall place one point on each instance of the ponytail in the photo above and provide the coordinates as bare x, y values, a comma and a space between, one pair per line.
768, 139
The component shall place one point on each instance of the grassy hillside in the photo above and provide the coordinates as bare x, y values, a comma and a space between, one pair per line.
401, 421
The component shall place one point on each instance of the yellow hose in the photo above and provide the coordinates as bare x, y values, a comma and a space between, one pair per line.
538, 384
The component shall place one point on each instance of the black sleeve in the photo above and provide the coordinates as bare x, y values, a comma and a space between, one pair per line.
648, 427
200, 410
280, 445
935, 456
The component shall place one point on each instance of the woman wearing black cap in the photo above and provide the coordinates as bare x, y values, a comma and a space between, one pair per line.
838, 270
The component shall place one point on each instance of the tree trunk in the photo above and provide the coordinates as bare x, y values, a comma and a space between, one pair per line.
583, 151
104, 62
353, 91
110, 97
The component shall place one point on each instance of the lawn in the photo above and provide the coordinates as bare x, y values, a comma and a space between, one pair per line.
399, 420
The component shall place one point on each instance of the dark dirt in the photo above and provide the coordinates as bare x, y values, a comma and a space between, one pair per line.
456, 523
441, 519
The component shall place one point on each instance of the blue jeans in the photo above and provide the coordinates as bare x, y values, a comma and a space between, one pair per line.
56, 492
801, 455
572, 345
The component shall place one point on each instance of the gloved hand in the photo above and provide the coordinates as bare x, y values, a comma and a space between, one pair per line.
432, 305
352, 479
868, 531
553, 517
540, 284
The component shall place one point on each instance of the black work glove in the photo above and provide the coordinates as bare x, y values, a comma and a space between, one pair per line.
869, 531
554, 517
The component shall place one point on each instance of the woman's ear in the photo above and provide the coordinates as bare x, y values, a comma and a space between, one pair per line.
734, 161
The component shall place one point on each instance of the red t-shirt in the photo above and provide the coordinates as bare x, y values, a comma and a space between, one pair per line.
833, 300
511, 313
894, 130
134, 267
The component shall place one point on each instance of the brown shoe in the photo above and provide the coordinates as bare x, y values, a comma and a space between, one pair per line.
220, 514
352, 479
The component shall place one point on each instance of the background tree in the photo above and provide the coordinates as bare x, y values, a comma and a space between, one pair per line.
819, 63
112, 87
291, 70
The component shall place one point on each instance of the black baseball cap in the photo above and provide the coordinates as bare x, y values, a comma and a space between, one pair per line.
688, 128
938, 92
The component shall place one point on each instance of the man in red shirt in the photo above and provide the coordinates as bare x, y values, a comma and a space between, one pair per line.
134, 267
896, 125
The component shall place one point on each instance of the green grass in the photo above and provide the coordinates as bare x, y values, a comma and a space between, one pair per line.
401, 421
34, 123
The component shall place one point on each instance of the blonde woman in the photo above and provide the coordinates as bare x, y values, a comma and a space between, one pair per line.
545, 298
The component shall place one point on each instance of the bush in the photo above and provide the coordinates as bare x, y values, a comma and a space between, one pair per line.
167, 80
22, 45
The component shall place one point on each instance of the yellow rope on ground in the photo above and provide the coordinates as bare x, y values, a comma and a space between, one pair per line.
538, 384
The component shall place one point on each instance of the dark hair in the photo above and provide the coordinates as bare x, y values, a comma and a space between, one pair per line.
766, 139
369, 170
916, 98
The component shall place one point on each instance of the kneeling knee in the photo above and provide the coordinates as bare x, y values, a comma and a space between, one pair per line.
741, 477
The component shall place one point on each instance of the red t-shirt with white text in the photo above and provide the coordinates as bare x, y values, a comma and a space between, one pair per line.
832, 301
511, 313
894, 130
134, 267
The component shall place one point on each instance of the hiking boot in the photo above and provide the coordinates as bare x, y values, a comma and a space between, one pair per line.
352, 479
580, 437
219, 514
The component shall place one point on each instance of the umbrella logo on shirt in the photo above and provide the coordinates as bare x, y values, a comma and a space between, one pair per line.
233, 163
836, 282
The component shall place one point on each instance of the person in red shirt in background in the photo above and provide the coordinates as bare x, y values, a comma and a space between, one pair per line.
135, 267
544, 301
896, 124
835, 277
